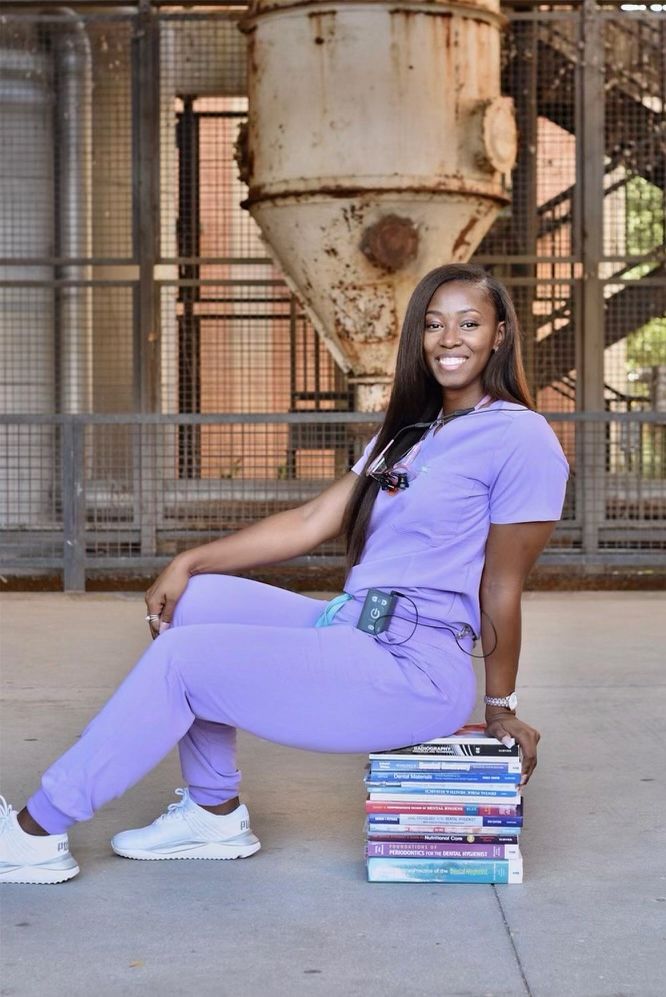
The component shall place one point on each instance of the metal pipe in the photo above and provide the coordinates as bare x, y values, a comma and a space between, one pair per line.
73, 128
26, 312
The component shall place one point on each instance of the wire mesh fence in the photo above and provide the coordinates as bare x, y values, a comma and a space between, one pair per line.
56, 506
133, 282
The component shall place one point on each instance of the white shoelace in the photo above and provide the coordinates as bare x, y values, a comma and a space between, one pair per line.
6, 811
175, 809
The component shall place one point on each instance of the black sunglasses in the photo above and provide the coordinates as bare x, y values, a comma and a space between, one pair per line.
385, 474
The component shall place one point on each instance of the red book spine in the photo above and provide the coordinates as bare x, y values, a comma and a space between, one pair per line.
459, 809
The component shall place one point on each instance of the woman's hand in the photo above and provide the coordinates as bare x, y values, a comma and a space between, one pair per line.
502, 724
164, 593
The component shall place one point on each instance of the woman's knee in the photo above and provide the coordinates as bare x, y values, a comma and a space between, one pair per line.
203, 600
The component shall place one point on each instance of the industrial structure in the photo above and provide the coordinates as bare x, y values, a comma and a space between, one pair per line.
212, 216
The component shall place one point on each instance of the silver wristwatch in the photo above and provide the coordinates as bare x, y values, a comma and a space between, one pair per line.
510, 702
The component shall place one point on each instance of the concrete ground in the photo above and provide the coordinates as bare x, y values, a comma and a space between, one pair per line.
299, 918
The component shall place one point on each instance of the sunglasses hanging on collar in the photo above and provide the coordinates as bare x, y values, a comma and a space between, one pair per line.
389, 478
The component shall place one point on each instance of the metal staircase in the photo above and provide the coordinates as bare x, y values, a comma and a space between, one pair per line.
552, 55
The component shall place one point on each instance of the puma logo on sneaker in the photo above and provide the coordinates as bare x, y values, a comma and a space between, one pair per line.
32, 858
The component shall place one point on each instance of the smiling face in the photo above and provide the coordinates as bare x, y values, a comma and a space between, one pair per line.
461, 331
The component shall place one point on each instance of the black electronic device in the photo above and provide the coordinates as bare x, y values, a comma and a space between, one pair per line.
377, 611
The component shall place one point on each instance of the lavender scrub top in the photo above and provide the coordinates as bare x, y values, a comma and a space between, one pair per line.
501, 463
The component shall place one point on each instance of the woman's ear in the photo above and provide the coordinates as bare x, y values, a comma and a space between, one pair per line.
499, 335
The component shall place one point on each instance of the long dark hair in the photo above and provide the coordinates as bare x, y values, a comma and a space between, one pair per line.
416, 395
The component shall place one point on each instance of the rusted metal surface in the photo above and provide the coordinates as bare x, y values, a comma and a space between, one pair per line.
242, 156
369, 164
391, 242
482, 9
414, 185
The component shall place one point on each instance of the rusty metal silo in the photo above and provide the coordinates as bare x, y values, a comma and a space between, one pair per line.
378, 147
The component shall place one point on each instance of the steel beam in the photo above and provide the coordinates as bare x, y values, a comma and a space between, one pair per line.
73, 505
145, 192
590, 152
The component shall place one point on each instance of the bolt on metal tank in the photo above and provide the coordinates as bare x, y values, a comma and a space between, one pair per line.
378, 147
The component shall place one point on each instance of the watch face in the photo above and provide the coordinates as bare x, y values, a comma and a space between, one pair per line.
513, 701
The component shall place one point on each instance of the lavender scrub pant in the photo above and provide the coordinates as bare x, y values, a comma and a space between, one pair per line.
241, 654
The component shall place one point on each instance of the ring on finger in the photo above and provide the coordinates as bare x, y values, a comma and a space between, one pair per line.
152, 617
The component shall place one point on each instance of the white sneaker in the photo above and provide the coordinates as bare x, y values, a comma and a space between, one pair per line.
32, 858
187, 831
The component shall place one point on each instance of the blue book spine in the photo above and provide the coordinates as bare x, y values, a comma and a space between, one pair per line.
380, 791
428, 765
397, 870
450, 820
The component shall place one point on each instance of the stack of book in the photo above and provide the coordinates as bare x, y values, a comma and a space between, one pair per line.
445, 811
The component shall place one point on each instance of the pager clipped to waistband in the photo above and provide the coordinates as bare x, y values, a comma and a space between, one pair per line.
377, 611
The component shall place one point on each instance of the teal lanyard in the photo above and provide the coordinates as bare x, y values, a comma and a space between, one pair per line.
332, 607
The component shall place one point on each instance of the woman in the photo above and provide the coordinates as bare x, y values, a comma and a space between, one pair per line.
446, 519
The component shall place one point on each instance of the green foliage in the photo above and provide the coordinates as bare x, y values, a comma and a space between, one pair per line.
646, 346
645, 217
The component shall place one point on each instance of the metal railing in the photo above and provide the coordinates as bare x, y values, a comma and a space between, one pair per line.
66, 506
